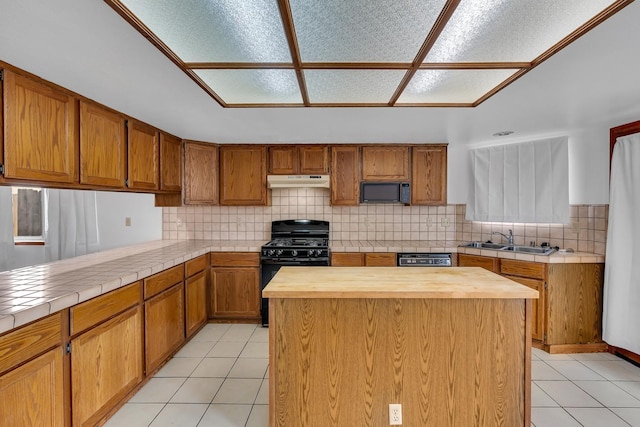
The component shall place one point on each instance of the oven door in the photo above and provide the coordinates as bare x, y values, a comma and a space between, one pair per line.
269, 268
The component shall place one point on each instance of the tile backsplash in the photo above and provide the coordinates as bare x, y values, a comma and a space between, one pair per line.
585, 232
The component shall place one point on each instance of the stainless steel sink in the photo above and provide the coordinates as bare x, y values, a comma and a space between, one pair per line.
530, 250
535, 250
482, 245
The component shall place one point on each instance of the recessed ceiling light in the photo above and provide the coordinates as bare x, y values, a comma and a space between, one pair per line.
503, 133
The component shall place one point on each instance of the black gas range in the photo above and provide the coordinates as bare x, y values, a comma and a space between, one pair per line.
294, 242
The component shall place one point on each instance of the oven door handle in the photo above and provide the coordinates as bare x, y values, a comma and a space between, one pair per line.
305, 262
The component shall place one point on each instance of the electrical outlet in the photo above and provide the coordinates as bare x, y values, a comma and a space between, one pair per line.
395, 414
127, 222
575, 227
445, 222
429, 221
178, 222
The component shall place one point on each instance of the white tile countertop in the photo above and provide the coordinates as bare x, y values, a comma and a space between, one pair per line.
30, 293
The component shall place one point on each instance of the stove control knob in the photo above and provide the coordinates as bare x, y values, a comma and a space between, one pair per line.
294, 252
271, 252
279, 252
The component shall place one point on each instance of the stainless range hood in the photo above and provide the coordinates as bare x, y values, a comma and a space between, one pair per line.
297, 181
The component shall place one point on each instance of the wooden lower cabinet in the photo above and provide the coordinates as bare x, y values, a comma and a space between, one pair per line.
386, 259
488, 263
33, 394
235, 293
164, 326
106, 364
537, 305
195, 300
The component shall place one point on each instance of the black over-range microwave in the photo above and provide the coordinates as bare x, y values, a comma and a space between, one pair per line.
385, 192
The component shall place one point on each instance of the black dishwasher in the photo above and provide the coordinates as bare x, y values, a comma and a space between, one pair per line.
424, 259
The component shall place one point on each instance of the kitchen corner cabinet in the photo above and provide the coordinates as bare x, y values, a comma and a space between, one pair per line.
143, 156
40, 131
345, 175
195, 294
163, 316
170, 163
235, 286
201, 173
243, 175
429, 175
106, 352
103, 146
302, 159
385, 163
32, 384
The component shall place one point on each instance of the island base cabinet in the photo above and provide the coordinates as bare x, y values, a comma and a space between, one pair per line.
32, 395
448, 362
106, 364
164, 326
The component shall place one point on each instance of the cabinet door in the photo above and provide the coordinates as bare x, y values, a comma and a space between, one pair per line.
106, 364
102, 146
345, 173
313, 159
195, 295
243, 177
170, 163
347, 259
283, 160
143, 156
33, 394
537, 305
488, 263
40, 131
380, 259
201, 174
235, 292
164, 326
429, 175
385, 163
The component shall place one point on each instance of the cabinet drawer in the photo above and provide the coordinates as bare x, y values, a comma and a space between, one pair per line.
195, 265
99, 309
487, 263
380, 259
159, 282
29, 341
347, 259
235, 259
523, 268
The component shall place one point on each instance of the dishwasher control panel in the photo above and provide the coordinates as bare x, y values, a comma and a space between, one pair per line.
424, 260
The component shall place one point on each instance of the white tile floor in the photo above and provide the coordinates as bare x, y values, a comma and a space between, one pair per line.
220, 379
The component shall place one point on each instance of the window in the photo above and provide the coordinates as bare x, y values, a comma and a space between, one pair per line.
29, 215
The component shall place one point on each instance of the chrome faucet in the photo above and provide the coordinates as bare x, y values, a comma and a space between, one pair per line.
509, 237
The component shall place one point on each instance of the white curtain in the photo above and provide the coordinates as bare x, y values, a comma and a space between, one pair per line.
621, 314
527, 182
72, 224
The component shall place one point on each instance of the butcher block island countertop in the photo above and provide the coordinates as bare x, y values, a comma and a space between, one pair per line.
451, 345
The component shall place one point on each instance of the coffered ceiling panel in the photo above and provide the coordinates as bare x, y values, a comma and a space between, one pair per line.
263, 53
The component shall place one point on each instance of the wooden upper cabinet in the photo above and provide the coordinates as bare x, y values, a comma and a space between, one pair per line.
429, 175
170, 163
385, 163
243, 175
303, 159
143, 156
283, 160
40, 131
314, 159
201, 173
345, 173
103, 140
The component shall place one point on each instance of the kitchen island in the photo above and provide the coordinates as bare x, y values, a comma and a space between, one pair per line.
451, 345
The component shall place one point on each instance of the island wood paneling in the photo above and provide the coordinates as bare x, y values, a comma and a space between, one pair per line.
449, 362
